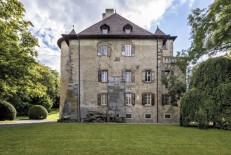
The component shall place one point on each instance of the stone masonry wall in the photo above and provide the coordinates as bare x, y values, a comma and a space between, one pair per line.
115, 63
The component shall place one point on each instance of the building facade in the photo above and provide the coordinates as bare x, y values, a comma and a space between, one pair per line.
115, 67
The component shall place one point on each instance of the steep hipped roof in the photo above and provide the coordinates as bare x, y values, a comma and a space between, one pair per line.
116, 24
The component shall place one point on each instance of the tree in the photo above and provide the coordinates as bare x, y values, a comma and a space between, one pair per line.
211, 87
23, 81
175, 87
211, 28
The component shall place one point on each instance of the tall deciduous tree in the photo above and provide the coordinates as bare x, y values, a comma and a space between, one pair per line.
23, 81
211, 28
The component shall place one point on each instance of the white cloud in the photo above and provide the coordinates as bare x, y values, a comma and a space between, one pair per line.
53, 18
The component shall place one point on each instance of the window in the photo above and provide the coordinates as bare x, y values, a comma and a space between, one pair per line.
127, 30
103, 76
128, 99
128, 115
128, 50
127, 76
165, 99
105, 30
164, 45
148, 76
148, 99
102, 50
147, 116
102, 99
167, 116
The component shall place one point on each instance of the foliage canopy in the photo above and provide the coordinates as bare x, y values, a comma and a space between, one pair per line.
23, 81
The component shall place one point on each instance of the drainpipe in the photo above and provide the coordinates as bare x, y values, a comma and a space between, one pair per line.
79, 114
157, 68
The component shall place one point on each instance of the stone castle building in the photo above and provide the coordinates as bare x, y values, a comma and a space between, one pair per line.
115, 67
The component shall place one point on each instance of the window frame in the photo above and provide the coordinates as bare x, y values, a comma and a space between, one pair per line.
167, 114
148, 99
101, 76
145, 116
148, 75
104, 30
128, 100
128, 50
128, 117
102, 49
104, 99
127, 76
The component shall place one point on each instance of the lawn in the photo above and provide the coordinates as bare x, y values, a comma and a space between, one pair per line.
118, 139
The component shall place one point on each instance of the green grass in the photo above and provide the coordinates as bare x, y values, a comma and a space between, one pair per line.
118, 139
52, 116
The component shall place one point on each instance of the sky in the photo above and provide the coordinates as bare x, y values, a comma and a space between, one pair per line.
51, 18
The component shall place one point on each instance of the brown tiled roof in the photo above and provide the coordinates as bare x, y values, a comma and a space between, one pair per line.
116, 24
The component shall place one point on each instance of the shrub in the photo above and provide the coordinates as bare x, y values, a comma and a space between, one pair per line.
7, 111
37, 112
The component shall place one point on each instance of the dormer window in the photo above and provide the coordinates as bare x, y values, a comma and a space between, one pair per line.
127, 29
105, 29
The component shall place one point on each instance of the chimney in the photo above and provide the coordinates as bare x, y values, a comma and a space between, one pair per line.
108, 13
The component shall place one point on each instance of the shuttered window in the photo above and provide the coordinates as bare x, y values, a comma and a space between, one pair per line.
148, 76
148, 99
129, 98
102, 99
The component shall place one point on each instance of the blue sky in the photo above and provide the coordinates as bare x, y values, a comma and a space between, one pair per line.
53, 18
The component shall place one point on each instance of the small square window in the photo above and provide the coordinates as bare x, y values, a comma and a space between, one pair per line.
147, 116
167, 116
128, 115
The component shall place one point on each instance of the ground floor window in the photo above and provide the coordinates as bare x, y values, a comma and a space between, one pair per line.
167, 116
147, 116
128, 115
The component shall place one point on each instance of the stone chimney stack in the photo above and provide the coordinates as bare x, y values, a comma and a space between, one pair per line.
108, 13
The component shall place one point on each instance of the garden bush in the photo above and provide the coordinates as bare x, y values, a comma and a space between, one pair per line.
7, 111
37, 112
